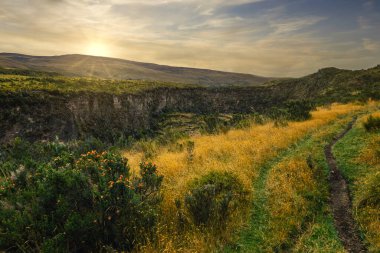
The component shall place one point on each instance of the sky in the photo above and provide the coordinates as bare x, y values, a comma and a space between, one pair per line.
277, 38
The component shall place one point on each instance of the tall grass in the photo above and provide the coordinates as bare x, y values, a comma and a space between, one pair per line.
242, 152
358, 155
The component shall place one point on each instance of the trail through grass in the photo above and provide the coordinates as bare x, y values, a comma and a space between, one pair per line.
255, 238
252, 238
340, 200
358, 157
289, 207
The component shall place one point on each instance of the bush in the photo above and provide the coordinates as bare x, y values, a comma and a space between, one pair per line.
295, 110
79, 204
372, 124
213, 198
299, 109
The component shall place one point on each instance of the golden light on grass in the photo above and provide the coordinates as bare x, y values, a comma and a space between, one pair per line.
241, 151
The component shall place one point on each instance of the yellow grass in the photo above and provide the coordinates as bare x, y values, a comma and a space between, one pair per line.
287, 183
292, 188
368, 216
370, 154
239, 151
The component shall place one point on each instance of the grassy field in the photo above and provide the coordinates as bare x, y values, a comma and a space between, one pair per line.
262, 187
282, 166
358, 156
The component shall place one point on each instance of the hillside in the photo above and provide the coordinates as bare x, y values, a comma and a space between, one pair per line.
38, 105
111, 68
177, 149
333, 84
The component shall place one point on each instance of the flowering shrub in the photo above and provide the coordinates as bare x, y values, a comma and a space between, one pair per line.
83, 204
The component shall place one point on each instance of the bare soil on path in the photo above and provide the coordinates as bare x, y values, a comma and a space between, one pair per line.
340, 201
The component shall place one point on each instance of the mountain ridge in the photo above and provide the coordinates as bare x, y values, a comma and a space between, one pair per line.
116, 68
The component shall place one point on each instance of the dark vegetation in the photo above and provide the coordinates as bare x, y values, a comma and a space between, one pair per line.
55, 199
213, 198
38, 105
372, 123
81, 197
294, 110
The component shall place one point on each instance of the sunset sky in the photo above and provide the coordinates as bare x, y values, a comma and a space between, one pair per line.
263, 37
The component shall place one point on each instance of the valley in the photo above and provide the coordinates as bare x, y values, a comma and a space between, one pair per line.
194, 168
189, 126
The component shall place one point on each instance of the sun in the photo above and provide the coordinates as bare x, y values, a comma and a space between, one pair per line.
97, 49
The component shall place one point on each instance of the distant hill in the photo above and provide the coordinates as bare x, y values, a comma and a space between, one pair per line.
112, 68
334, 85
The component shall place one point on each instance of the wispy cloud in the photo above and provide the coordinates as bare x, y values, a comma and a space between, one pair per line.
294, 24
266, 37
371, 45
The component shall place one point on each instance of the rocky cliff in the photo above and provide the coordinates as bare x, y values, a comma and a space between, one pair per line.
41, 114
44, 115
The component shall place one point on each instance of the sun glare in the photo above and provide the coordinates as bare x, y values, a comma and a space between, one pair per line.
97, 49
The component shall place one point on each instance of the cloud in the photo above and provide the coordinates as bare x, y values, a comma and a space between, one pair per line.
371, 45
265, 37
294, 24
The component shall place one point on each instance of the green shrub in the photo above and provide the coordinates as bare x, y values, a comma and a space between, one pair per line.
372, 124
212, 123
299, 109
295, 110
79, 205
213, 198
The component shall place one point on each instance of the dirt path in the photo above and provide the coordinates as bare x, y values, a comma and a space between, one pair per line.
340, 201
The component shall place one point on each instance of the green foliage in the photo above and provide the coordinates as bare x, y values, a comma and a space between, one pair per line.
294, 110
213, 124
213, 198
79, 204
372, 124
32, 81
31, 155
299, 109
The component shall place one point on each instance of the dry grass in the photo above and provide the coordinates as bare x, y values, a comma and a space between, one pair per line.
359, 156
287, 185
294, 188
241, 152
369, 215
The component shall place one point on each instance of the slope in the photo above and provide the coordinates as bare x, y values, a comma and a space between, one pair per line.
111, 68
